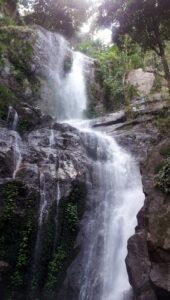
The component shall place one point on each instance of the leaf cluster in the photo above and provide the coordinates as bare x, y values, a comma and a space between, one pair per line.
163, 177
63, 16
143, 20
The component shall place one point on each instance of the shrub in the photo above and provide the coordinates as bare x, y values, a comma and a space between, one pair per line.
163, 177
163, 124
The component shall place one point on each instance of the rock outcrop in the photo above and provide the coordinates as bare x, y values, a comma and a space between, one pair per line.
143, 81
148, 260
41, 176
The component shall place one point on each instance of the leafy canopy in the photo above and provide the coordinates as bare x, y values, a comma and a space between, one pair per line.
64, 16
137, 18
146, 21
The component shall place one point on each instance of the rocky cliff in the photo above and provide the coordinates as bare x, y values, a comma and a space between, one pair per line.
42, 177
147, 137
42, 199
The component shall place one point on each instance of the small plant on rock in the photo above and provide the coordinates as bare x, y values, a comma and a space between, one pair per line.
163, 177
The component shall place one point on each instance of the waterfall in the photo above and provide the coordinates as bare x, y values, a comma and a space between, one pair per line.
114, 198
114, 183
63, 70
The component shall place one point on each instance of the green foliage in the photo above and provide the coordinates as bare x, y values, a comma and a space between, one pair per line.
158, 167
111, 68
131, 91
165, 150
147, 22
16, 51
163, 177
24, 125
2, 2
55, 266
62, 16
21, 53
163, 124
6, 97
7, 21
17, 225
61, 257
72, 216
10, 193
71, 211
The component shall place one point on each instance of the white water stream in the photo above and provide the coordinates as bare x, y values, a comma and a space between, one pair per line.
115, 192
12, 122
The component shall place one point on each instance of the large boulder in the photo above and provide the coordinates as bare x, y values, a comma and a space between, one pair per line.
143, 81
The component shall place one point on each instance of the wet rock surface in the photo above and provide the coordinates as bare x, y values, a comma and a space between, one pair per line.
148, 256
42, 175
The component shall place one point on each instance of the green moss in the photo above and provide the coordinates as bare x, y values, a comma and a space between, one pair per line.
24, 125
72, 216
55, 266
10, 194
163, 177
7, 98
163, 124
158, 167
21, 53
62, 255
17, 235
23, 256
71, 212
165, 150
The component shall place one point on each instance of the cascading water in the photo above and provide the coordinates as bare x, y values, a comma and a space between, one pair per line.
64, 79
114, 184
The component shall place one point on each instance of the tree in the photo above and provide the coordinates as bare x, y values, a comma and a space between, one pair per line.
9, 8
64, 16
146, 21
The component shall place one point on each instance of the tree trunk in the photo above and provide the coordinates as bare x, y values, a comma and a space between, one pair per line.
162, 52
166, 69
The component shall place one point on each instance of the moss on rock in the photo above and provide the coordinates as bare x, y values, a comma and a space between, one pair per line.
17, 70
17, 235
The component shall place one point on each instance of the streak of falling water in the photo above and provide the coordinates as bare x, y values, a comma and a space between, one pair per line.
43, 199
12, 120
58, 197
17, 154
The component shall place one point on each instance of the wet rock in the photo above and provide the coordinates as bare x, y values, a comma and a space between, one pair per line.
108, 120
159, 275
138, 266
149, 249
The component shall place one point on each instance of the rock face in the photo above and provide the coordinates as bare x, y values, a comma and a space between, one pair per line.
148, 258
143, 81
42, 197
148, 249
